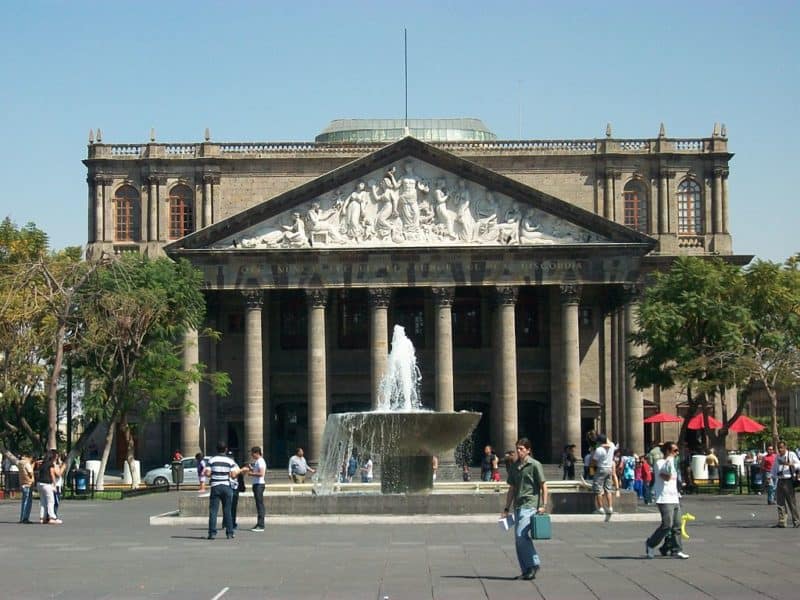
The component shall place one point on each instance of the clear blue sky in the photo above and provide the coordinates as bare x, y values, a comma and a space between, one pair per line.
282, 70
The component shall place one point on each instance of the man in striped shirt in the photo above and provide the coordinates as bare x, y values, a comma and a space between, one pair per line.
220, 470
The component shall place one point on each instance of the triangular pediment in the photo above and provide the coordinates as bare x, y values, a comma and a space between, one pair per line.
409, 194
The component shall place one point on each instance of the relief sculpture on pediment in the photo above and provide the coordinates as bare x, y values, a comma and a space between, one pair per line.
411, 203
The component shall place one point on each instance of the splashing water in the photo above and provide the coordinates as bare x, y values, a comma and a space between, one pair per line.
399, 389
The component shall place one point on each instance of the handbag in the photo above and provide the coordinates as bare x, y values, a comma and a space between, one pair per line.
540, 526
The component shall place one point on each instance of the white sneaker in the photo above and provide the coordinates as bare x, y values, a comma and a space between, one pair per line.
649, 552
681, 555
609, 512
599, 511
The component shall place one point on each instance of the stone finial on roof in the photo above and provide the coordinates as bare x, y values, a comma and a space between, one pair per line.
608, 130
207, 135
152, 134
91, 136
99, 135
662, 131
715, 132
724, 131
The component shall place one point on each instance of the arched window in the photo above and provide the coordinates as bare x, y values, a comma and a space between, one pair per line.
126, 214
636, 214
690, 208
181, 215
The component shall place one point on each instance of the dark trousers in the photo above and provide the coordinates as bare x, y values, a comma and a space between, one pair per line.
223, 494
258, 497
786, 502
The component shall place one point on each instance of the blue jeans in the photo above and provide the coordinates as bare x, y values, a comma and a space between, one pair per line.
771, 487
526, 552
27, 502
224, 494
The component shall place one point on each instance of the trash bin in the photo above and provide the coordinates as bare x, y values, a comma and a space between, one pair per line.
177, 472
756, 478
81, 479
730, 477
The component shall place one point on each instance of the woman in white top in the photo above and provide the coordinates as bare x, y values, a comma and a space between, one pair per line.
668, 501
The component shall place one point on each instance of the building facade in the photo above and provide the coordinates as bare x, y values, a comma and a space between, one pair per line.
514, 267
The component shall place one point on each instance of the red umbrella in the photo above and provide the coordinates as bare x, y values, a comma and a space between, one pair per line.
662, 418
696, 422
746, 425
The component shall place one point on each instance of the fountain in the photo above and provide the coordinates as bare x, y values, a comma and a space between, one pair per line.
400, 432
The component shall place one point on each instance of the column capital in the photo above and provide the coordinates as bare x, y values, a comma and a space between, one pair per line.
443, 296
253, 299
156, 179
570, 293
103, 179
211, 178
631, 292
721, 171
665, 173
505, 295
379, 297
317, 298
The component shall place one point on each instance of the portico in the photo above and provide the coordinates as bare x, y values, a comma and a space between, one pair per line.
506, 291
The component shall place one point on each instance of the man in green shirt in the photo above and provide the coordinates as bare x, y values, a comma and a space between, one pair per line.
527, 492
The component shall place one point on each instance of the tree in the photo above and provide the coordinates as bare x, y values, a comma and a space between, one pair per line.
771, 354
691, 323
135, 313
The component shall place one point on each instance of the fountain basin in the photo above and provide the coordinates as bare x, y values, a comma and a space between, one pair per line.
405, 443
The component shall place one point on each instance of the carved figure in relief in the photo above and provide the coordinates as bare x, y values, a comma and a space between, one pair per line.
406, 205
294, 235
385, 198
326, 222
487, 230
529, 231
354, 209
444, 216
508, 230
465, 222
562, 233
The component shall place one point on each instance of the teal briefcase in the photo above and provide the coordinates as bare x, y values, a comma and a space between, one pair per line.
540, 527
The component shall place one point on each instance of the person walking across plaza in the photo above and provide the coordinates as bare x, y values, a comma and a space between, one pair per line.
25, 466
668, 501
767, 463
47, 475
784, 469
258, 470
605, 479
527, 493
488, 463
220, 470
298, 467
712, 462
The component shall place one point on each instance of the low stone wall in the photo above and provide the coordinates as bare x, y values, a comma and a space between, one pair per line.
561, 502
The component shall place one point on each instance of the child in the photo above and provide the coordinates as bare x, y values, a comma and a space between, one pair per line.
201, 467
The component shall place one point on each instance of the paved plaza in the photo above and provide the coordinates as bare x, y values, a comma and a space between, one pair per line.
107, 549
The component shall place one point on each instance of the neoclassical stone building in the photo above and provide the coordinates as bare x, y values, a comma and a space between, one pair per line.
514, 267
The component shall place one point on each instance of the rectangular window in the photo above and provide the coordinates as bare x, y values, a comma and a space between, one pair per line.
467, 319
353, 320
125, 220
635, 211
294, 321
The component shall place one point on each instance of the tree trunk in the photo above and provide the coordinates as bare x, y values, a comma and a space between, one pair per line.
773, 405
52, 389
129, 449
100, 484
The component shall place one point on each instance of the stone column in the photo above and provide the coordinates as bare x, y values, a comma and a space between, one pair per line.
208, 199
162, 210
99, 210
190, 410
317, 372
92, 232
571, 363
634, 406
507, 349
253, 371
378, 339
608, 196
716, 208
663, 202
443, 300
152, 206
622, 403
725, 221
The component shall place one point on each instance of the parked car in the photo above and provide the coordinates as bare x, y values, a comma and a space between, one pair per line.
163, 475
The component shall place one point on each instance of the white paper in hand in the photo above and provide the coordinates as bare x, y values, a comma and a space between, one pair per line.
506, 523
